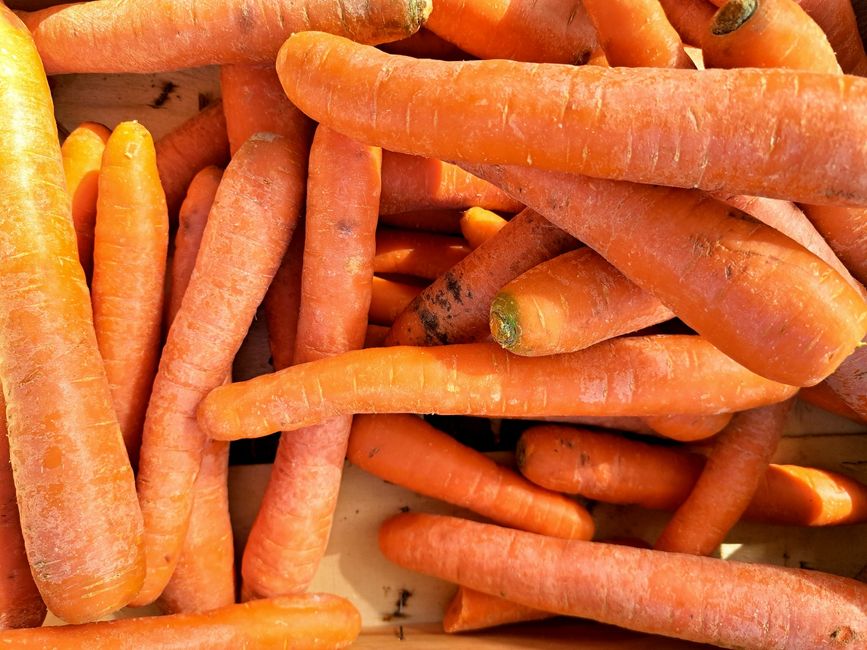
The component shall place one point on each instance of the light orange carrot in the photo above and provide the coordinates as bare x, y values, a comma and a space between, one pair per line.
424, 255
687, 428
424, 44
476, 610
390, 299
689, 17
282, 302
479, 225
441, 221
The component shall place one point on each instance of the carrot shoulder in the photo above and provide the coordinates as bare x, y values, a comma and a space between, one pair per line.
475, 610
478, 225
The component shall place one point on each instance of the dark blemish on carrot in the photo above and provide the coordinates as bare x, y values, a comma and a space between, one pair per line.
204, 101
729, 271
373, 452
404, 509
453, 285
585, 458
844, 635
344, 228
565, 442
431, 325
583, 57
165, 92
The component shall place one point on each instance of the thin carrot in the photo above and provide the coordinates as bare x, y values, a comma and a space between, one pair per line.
568, 303
455, 307
475, 610
689, 17
424, 44
725, 603
389, 299
623, 376
687, 428
478, 225
306, 622
822, 396
617, 123
126, 36
129, 267
423, 255
76, 497
249, 227
407, 451
441, 221
849, 381
413, 183
82, 157
283, 302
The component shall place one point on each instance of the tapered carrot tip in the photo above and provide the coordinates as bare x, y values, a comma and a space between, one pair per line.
504, 321
732, 15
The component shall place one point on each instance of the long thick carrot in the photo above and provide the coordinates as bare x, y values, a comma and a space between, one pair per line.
849, 381
250, 224
82, 157
581, 124
76, 497
624, 376
478, 225
440, 221
687, 428
129, 268
822, 396
407, 451
306, 622
390, 299
725, 603
689, 17
424, 255
455, 307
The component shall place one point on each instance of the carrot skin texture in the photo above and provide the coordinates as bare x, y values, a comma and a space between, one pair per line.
406, 451
249, 227
479, 225
687, 428
80, 518
306, 622
474, 610
423, 255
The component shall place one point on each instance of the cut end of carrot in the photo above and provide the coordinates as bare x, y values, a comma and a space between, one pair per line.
505, 329
419, 10
732, 15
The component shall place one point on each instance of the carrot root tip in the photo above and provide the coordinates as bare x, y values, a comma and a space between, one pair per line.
504, 321
732, 15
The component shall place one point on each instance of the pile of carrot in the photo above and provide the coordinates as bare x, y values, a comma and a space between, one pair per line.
633, 215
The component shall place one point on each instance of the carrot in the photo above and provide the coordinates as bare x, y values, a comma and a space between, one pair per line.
624, 376
424, 44
725, 603
609, 468
455, 307
129, 267
475, 610
689, 18
375, 336
389, 299
479, 225
636, 33
687, 428
76, 496
849, 381
845, 230
413, 183
126, 36
568, 303
822, 396
308, 622
199, 142
283, 302
250, 224
440, 221
82, 157
420, 254
622, 423
556, 31
328, 76
291, 530
407, 451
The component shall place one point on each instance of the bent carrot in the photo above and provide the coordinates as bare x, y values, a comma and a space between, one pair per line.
82, 157
688, 428
689, 18
476, 610
326, 76
764, 606
423, 255
389, 299
283, 302
623, 376
825, 398
479, 225
424, 44
309, 622
76, 496
441, 221
407, 451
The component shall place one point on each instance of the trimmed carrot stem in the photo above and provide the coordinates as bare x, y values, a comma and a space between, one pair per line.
478, 225
423, 255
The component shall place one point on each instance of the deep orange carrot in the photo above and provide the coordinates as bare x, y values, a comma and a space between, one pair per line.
823, 397
478, 225
283, 301
407, 451
581, 123
845, 230
849, 381
307, 622
687, 428
455, 307
725, 603
475, 610
689, 17
622, 423
129, 268
568, 303
82, 157
424, 255
424, 44
623, 376
249, 227
126, 36
390, 299
76, 497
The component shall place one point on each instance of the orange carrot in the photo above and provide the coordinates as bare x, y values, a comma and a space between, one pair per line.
479, 225
623, 376
569, 303
291, 530
131, 241
622, 423
126, 36
283, 302
407, 451
849, 381
442, 221
845, 230
76, 497
82, 157
197, 143
328, 76
306, 622
455, 307
424, 44
250, 224
475, 610
423, 255
389, 299
689, 17
825, 398
725, 603
687, 428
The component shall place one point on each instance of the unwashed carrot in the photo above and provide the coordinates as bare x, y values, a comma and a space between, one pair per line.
283, 302
424, 44
423, 255
849, 381
131, 241
306, 622
479, 225
327, 76
725, 603
390, 299
407, 451
249, 227
623, 376
476, 610
688, 428
689, 17
126, 36
76, 497
822, 396
82, 157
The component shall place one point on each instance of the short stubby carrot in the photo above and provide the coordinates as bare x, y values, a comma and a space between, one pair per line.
726, 603
306, 622
623, 376
390, 298
254, 213
282, 303
129, 268
82, 157
76, 497
478, 225
689, 18
688, 428
407, 451
443, 220
420, 254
